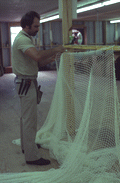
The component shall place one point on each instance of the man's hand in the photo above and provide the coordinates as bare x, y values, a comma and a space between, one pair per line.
60, 49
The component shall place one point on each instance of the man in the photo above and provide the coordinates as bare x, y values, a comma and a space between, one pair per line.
25, 61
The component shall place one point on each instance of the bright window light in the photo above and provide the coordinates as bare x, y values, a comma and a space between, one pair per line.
14, 31
49, 18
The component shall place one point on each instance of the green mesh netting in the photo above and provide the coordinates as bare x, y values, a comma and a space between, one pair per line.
81, 130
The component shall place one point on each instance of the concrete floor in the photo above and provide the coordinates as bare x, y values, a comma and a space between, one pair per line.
11, 158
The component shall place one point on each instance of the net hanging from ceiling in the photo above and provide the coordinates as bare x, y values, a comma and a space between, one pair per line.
81, 130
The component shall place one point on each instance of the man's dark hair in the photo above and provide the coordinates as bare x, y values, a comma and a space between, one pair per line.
28, 18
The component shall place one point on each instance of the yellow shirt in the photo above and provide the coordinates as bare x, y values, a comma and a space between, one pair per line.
21, 63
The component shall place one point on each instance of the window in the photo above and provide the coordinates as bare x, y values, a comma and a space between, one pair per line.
14, 31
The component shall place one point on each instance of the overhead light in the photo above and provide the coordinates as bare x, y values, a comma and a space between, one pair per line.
98, 5
114, 21
111, 2
49, 18
80, 10
49, 14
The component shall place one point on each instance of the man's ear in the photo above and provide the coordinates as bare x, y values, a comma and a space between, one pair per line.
27, 27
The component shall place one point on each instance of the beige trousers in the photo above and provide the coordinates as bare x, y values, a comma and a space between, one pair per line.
28, 122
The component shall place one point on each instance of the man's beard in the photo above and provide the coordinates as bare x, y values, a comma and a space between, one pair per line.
34, 34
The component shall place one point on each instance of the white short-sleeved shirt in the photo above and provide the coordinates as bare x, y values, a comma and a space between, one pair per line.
21, 63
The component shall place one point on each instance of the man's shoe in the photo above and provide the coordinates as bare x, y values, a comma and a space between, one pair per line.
40, 161
38, 145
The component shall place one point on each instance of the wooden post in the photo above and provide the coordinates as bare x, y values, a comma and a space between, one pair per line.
43, 35
94, 24
51, 39
116, 34
66, 20
104, 32
1, 54
69, 92
68, 66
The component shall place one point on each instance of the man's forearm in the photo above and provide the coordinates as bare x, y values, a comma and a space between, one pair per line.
44, 55
44, 62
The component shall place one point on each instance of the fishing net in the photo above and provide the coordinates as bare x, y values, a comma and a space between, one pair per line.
81, 130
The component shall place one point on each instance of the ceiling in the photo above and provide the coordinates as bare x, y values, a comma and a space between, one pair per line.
13, 10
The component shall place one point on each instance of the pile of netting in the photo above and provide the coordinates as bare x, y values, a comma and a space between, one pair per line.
81, 130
